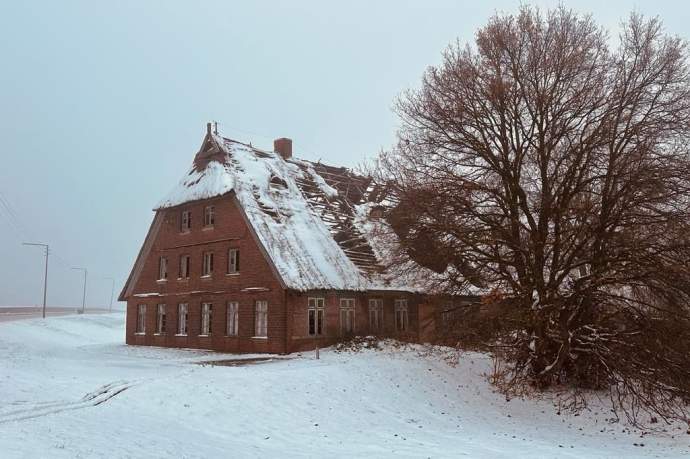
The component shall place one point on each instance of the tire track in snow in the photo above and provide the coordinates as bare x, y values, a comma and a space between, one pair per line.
97, 397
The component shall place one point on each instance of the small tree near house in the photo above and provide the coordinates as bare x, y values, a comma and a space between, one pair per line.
554, 170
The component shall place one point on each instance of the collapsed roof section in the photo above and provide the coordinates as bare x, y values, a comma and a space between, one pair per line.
313, 220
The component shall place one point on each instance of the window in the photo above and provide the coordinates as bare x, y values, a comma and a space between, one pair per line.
261, 319
184, 266
277, 183
206, 318
209, 216
207, 267
375, 314
163, 268
182, 319
445, 316
315, 311
448, 314
160, 319
141, 319
233, 261
347, 316
186, 221
232, 324
401, 319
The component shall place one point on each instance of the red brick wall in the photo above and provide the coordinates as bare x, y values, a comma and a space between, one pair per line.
229, 231
297, 312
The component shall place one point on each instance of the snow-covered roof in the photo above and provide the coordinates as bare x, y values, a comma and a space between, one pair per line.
312, 219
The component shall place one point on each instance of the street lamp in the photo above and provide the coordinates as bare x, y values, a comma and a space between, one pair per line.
83, 299
45, 275
112, 291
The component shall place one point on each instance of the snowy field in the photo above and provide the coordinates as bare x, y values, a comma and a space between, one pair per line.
69, 387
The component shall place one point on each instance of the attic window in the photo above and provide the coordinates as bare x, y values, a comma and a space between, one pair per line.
209, 216
185, 221
278, 183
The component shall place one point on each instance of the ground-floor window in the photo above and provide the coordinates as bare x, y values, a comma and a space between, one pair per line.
347, 316
316, 312
160, 319
233, 313
401, 317
141, 319
447, 315
206, 318
261, 319
375, 314
182, 319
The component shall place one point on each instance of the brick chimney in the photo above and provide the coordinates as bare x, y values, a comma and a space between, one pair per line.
283, 147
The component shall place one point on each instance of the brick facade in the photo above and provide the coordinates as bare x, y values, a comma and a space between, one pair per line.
298, 315
287, 326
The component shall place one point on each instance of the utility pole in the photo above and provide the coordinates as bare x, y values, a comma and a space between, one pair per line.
83, 299
45, 275
112, 291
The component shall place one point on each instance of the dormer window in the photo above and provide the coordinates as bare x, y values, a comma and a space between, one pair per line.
185, 221
278, 183
209, 216
376, 212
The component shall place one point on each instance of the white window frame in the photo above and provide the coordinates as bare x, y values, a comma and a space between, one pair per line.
206, 319
163, 268
347, 310
185, 265
233, 261
182, 319
161, 319
376, 314
402, 319
141, 320
316, 309
261, 319
232, 318
207, 265
209, 216
186, 221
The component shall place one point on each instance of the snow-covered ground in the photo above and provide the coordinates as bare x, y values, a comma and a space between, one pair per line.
69, 387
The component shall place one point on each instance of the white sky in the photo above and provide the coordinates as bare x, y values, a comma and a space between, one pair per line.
103, 105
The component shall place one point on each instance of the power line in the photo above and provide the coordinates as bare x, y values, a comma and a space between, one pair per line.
11, 217
62, 261
83, 300
22, 231
7, 205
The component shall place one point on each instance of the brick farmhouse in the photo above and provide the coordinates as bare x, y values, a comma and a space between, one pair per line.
257, 251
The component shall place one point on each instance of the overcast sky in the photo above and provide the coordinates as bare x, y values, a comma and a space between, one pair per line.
103, 105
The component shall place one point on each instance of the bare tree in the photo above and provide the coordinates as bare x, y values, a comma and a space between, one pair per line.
553, 170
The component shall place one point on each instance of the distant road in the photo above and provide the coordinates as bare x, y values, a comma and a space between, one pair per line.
19, 313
